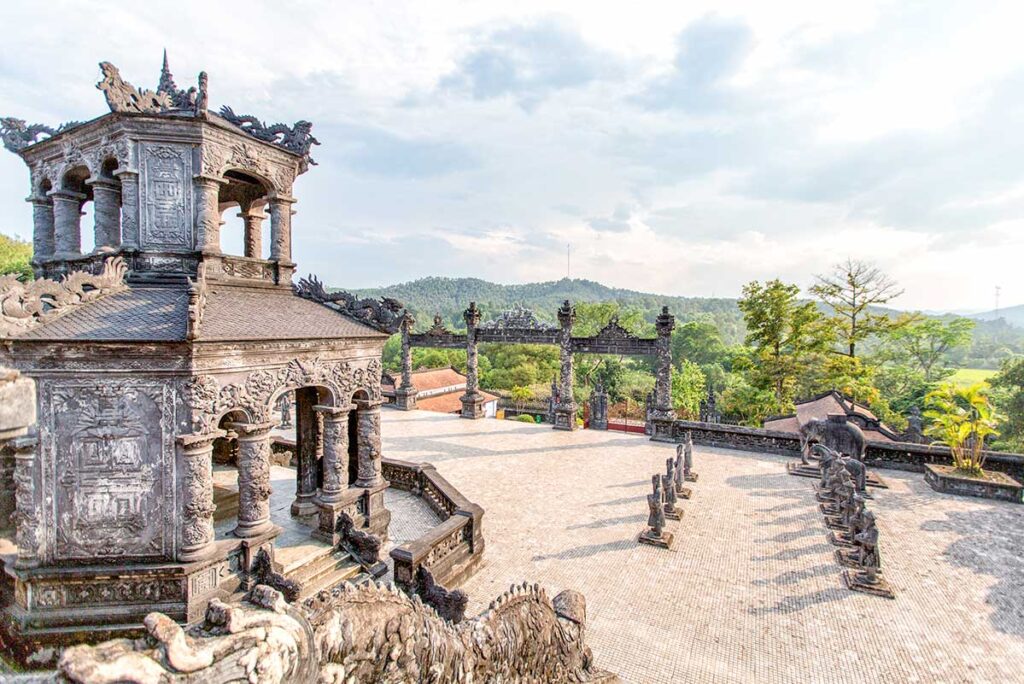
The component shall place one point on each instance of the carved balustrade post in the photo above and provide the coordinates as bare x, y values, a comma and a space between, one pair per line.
335, 458
369, 450
197, 507
129, 207
253, 218
405, 394
42, 227
306, 439
208, 222
107, 214
67, 223
472, 400
281, 228
565, 409
253, 478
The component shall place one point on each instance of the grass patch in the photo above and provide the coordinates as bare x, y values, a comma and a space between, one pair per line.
965, 377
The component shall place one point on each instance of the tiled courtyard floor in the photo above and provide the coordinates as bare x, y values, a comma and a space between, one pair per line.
753, 592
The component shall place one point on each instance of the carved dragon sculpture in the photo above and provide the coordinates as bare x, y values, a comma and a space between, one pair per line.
449, 603
369, 633
384, 313
263, 569
17, 135
363, 546
298, 138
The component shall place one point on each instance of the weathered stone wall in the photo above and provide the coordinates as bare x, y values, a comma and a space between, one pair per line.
895, 455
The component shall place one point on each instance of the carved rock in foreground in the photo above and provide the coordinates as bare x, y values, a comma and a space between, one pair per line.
370, 633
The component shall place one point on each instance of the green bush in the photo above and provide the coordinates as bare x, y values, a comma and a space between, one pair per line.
525, 418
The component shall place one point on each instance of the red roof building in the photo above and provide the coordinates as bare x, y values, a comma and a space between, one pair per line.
438, 390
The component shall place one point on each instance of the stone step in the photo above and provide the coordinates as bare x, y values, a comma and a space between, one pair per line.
295, 558
311, 573
350, 571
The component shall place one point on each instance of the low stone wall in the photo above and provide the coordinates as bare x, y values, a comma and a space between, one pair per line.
893, 455
451, 550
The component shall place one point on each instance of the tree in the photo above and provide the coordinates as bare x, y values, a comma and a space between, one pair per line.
850, 290
698, 341
15, 257
923, 343
962, 418
688, 389
1008, 394
520, 395
783, 331
748, 405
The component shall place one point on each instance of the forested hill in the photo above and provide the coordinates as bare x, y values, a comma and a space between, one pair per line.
449, 296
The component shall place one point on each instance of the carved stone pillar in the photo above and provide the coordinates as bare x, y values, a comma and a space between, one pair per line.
405, 394
42, 227
253, 478
67, 223
207, 191
565, 409
253, 217
281, 228
107, 209
368, 434
662, 414
599, 409
197, 508
129, 208
335, 458
306, 439
27, 512
472, 400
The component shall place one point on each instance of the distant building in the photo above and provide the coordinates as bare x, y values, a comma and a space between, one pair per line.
437, 389
834, 403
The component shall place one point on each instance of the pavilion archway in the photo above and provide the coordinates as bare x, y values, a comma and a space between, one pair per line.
521, 326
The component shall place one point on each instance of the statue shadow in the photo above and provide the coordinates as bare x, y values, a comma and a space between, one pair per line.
814, 529
805, 517
779, 485
588, 550
793, 554
797, 576
625, 485
788, 506
990, 543
609, 522
623, 500
794, 604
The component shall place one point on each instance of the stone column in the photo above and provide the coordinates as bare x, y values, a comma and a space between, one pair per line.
129, 208
306, 438
565, 410
67, 223
405, 394
472, 400
197, 508
368, 417
662, 414
42, 227
335, 458
253, 478
281, 228
107, 209
27, 512
253, 217
207, 191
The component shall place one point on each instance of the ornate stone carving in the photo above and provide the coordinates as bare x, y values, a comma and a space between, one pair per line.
384, 314
26, 512
517, 318
298, 138
17, 135
265, 575
253, 479
25, 305
122, 96
167, 196
364, 547
449, 604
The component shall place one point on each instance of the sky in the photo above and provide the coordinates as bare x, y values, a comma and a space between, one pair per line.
682, 148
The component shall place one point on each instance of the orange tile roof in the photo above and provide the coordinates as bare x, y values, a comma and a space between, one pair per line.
449, 402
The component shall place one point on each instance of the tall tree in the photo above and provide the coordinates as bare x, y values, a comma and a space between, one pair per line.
851, 290
1008, 386
924, 343
783, 332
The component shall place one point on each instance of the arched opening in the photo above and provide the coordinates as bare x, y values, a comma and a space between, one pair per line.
68, 204
243, 232
225, 475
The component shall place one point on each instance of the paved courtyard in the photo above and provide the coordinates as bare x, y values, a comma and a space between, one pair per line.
753, 592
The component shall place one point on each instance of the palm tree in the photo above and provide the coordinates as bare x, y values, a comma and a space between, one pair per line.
962, 418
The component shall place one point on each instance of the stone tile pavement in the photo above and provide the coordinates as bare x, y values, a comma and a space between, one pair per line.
753, 592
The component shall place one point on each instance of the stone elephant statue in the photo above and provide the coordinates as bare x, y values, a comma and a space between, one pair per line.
839, 435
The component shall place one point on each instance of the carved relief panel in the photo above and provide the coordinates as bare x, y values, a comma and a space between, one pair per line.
108, 466
166, 196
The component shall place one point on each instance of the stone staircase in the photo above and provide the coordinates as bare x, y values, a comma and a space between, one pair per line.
323, 568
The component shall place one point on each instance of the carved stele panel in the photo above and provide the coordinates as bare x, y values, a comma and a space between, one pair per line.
166, 196
108, 459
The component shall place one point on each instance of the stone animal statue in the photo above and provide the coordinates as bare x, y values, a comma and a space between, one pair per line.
363, 545
842, 436
826, 456
122, 96
17, 135
449, 604
263, 571
369, 633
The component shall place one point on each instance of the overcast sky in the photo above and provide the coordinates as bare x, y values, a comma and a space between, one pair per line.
683, 148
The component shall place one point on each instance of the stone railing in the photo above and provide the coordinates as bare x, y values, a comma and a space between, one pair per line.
894, 455
451, 550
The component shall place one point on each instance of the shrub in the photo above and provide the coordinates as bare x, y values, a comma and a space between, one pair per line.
525, 418
962, 417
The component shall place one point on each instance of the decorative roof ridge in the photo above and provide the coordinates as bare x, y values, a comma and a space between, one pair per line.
26, 306
384, 314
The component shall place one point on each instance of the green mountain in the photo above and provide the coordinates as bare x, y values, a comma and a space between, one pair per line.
1014, 315
450, 296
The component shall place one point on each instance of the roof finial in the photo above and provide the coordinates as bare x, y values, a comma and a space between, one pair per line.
166, 84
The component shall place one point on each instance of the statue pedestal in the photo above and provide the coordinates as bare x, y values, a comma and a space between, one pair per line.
858, 581
565, 417
665, 541
472, 406
661, 427
405, 399
675, 513
684, 492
